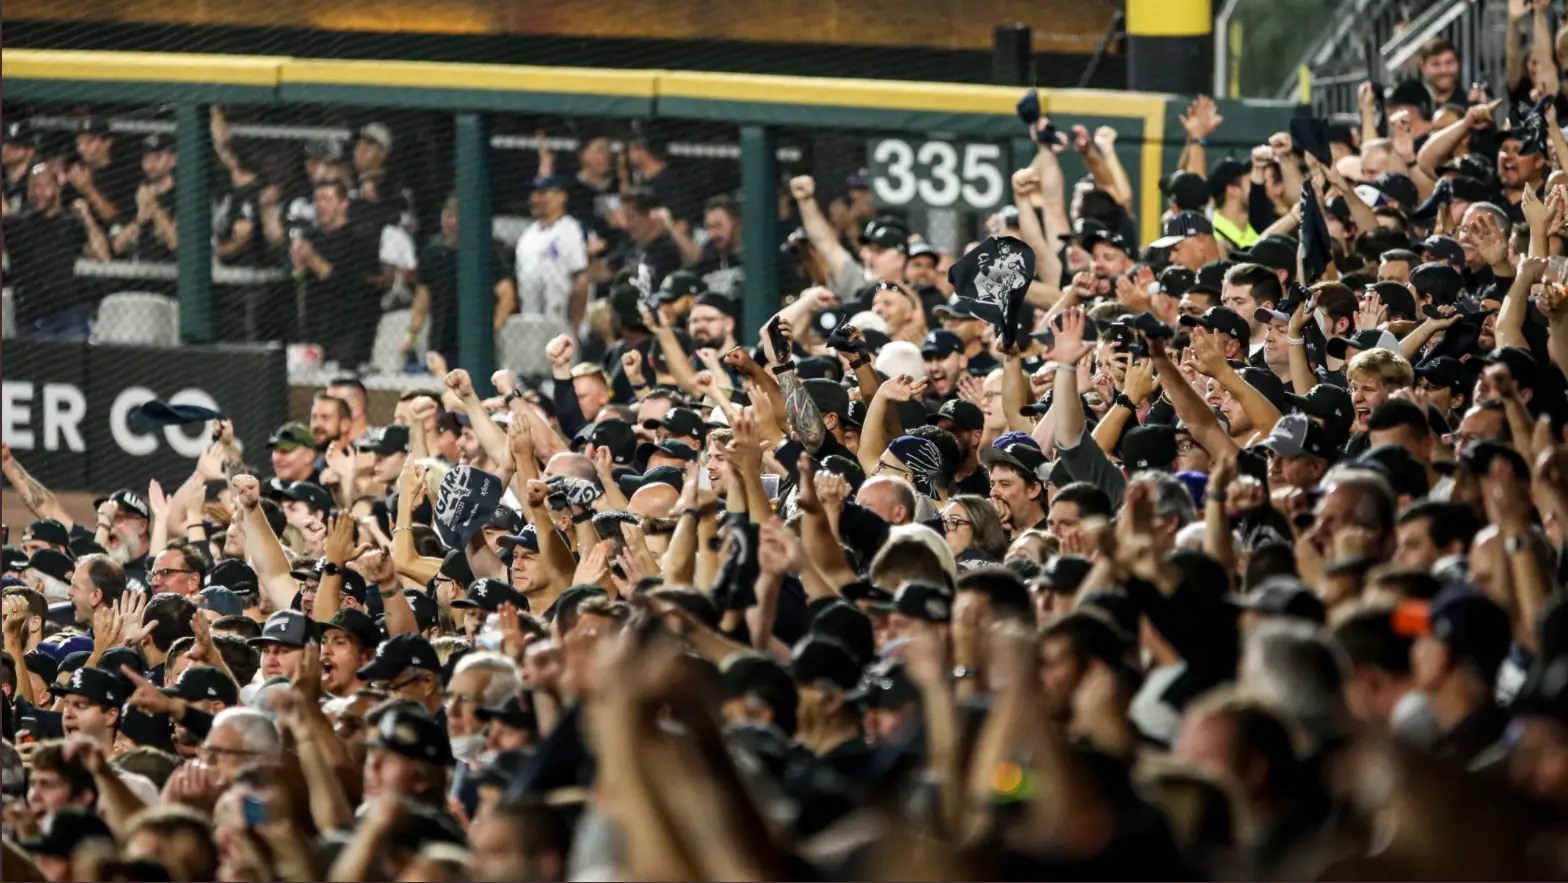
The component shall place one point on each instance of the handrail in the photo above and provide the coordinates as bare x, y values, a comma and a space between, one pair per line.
1428, 24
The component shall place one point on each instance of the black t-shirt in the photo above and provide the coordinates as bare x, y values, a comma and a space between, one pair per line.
977, 482
721, 271
15, 191
116, 182
241, 204
662, 255
149, 246
590, 205
348, 299
43, 250
982, 363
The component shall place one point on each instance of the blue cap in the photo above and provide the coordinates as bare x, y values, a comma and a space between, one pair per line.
549, 182
1016, 437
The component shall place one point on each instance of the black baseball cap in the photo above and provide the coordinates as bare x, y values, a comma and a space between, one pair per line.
1106, 237
357, 624
1363, 340
886, 685
753, 674
1150, 446
941, 343
292, 628
1445, 372
885, 232
398, 653
1175, 280
1397, 298
412, 734
828, 395
613, 433
1296, 435
128, 500
52, 563
234, 574
42, 664
99, 685
200, 683
925, 601
391, 439
959, 308
311, 494
1182, 225
1211, 276
1221, 319
1275, 252
816, 658
427, 613
1328, 403
1188, 190
1024, 457
670, 447
1227, 171
489, 594
847, 625
514, 713
965, 415
455, 567
631, 484
13, 560
526, 539
679, 421
1476, 459
1064, 573
47, 530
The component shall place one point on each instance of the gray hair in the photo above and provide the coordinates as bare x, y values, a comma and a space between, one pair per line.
1376, 505
258, 735
51, 588
1297, 666
902, 490
505, 678
1171, 497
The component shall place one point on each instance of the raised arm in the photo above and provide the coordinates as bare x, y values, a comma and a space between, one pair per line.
262, 548
1301, 377
1066, 412
1516, 303
38, 499
824, 238
406, 560
874, 437
1210, 349
819, 493
1190, 407
492, 438
1442, 144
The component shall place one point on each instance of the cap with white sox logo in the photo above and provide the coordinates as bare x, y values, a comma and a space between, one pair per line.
205, 683
288, 627
398, 653
99, 685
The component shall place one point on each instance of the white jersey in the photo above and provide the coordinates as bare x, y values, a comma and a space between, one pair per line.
548, 261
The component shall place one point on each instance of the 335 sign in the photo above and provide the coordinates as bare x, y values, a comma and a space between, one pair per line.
936, 174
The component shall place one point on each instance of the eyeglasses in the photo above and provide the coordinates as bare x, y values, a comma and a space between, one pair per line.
162, 572
956, 523
1186, 447
208, 753
394, 686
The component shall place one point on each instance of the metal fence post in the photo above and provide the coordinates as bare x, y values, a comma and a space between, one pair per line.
759, 179
193, 220
475, 288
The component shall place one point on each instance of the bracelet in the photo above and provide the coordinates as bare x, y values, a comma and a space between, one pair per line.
643, 385
580, 517
390, 593
695, 513
1071, 369
396, 529
1217, 496
858, 362
1296, 341
962, 672
783, 368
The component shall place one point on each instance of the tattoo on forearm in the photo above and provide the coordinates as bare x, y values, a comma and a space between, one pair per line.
34, 493
803, 414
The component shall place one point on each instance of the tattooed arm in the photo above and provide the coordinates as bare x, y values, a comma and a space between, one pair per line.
39, 499
804, 417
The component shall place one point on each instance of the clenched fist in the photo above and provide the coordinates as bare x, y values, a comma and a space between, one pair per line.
458, 381
561, 350
247, 491
802, 187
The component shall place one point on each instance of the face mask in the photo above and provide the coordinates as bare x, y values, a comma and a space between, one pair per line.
468, 748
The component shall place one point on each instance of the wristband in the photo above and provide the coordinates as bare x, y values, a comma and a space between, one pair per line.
1296, 341
1217, 496
514, 394
643, 385
858, 361
962, 672
580, 517
695, 513
395, 530
783, 368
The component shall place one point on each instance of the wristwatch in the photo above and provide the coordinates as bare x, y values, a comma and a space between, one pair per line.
960, 672
1121, 399
783, 368
1515, 544
514, 394
330, 569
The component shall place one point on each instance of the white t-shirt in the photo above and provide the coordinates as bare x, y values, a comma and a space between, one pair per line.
548, 260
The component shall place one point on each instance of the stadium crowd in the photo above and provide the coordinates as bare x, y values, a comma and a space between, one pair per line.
1238, 554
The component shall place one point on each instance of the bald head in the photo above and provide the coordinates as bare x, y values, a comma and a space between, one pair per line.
572, 465
655, 501
892, 499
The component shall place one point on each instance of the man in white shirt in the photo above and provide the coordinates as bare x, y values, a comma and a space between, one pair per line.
552, 254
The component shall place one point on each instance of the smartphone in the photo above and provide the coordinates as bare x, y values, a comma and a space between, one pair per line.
254, 810
5, 534
26, 727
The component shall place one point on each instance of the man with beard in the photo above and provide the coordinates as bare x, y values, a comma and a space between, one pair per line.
44, 241
946, 364
123, 531
331, 418
294, 453
1016, 488
718, 265
959, 318
966, 422
711, 323
1440, 70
